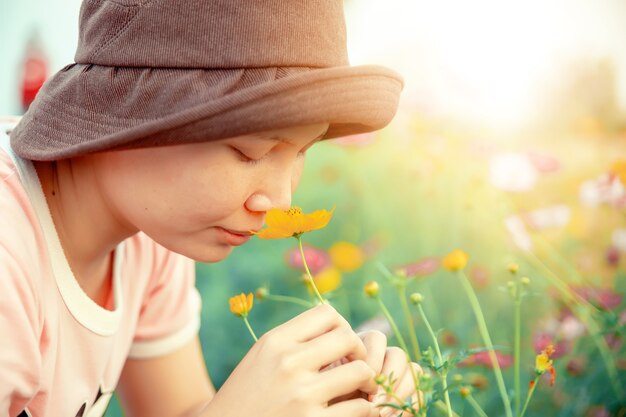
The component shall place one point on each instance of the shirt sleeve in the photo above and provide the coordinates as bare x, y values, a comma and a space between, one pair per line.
20, 329
170, 313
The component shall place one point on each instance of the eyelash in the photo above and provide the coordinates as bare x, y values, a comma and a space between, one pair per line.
245, 158
251, 161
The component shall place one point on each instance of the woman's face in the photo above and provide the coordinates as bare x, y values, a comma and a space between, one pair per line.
202, 199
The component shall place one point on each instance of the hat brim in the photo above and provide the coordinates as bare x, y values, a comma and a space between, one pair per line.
88, 108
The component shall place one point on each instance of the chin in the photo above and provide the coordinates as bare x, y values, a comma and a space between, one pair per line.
210, 255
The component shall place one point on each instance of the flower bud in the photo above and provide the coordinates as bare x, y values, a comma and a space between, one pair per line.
425, 377
513, 268
372, 289
400, 272
525, 280
416, 298
455, 260
261, 293
510, 285
457, 378
380, 379
479, 381
464, 391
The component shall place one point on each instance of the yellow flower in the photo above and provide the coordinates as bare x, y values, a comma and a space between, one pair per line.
455, 260
292, 222
241, 304
326, 280
619, 170
346, 256
543, 363
371, 289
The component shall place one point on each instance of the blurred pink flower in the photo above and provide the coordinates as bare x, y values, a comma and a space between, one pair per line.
372, 246
316, 259
479, 276
612, 256
604, 298
483, 359
544, 163
448, 338
614, 341
570, 328
603, 189
543, 339
420, 268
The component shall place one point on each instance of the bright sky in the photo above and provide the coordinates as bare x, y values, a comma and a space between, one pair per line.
485, 59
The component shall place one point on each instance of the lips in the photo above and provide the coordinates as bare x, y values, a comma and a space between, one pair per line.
233, 237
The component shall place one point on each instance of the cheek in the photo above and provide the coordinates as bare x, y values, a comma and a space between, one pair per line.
297, 173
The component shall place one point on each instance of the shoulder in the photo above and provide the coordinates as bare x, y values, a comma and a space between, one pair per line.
21, 253
144, 253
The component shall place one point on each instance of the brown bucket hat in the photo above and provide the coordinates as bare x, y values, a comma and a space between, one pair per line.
166, 72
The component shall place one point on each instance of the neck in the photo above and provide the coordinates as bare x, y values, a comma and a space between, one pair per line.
86, 226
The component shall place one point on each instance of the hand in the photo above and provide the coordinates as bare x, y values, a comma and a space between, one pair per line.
386, 361
280, 376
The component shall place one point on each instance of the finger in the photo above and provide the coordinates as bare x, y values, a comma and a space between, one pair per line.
376, 346
345, 379
358, 407
396, 363
330, 347
310, 324
404, 389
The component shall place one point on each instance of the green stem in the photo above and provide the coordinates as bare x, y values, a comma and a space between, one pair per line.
583, 312
530, 394
306, 267
409, 322
405, 307
288, 299
476, 406
484, 332
396, 331
245, 320
444, 372
516, 353
439, 405
393, 325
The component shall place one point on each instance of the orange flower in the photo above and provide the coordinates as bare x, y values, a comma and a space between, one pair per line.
292, 222
241, 304
455, 260
543, 363
326, 280
346, 256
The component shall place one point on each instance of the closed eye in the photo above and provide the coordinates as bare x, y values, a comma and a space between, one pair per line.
246, 158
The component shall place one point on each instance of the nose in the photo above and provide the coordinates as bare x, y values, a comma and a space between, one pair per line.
275, 194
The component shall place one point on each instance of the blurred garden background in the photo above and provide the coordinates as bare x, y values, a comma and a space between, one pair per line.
510, 144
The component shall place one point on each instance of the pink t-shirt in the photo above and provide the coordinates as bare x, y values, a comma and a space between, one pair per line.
61, 354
